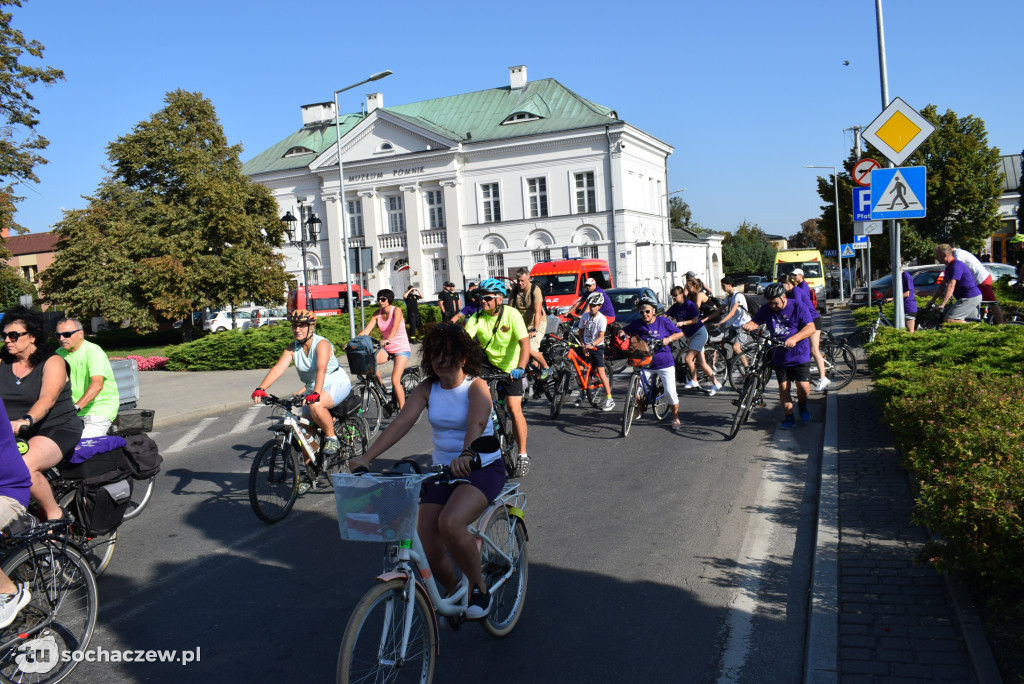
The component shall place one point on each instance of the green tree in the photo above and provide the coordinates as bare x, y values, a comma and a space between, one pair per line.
747, 250
679, 213
809, 236
12, 286
20, 145
174, 228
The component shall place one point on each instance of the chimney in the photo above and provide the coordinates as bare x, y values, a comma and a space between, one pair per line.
373, 101
517, 75
318, 113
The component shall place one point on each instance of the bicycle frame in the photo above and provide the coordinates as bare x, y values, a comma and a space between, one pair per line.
585, 373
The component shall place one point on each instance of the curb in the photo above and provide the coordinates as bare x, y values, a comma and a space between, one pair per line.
821, 665
159, 423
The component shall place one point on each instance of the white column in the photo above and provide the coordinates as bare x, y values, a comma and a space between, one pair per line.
414, 223
453, 224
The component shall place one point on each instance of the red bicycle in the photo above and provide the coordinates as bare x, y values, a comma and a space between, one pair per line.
570, 361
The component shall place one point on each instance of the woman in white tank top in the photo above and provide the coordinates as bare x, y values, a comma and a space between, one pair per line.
459, 407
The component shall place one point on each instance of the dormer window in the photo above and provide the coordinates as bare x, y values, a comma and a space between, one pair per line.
385, 148
519, 117
298, 151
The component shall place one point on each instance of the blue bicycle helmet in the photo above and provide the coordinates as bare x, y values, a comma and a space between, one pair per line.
493, 286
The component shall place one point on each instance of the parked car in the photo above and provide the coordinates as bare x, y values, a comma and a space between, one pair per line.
927, 280
756, 284
272, 316
624, 298
219, 321
1000, 270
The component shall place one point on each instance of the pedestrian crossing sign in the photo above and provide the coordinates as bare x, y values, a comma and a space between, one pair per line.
898, 193
847, 252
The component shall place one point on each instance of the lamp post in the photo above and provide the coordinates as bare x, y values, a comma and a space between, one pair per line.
305, 238
671, 242
341, 195
839, 239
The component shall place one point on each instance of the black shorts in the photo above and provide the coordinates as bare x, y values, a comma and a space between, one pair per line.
801, 373
511, 388
595, 357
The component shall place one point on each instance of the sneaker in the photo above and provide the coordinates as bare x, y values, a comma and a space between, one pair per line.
691, 384
304, 487
522, 466
331, 446
789, 422
11, 604
479, 605
579, 400
608, 405
714, 388
805, 415
822, 384
676, 424
545, 374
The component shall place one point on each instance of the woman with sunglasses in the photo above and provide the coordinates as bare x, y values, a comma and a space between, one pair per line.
36, 389
658, 332
395, 340
326, 382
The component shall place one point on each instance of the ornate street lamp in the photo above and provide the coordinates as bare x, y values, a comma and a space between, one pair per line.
304, 237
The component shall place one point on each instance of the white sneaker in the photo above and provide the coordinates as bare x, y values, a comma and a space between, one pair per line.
579, 400
714, 388
11, 604
608, 405
691, 384
822, 384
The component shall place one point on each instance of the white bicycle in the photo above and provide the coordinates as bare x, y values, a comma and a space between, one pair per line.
392, 633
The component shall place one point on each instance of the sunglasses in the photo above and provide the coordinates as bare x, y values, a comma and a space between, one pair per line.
487, 298
66, 335
14, 336
647, 312
382, 299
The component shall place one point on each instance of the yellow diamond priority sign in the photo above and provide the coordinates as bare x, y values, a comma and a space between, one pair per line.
898, 131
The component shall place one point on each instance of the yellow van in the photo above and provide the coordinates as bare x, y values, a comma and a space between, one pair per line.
813, 266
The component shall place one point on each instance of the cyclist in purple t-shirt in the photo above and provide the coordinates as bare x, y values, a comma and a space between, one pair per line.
15, 480
658, 332
791, 323
958, 282
909, 302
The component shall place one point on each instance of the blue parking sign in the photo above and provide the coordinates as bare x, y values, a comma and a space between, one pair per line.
862, 204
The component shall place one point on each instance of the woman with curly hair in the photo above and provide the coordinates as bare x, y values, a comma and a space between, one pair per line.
36, 388
458, 407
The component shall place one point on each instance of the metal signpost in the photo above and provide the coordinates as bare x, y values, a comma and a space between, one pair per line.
360, 259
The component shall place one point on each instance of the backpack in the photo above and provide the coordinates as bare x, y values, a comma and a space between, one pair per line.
143, 457
359, 352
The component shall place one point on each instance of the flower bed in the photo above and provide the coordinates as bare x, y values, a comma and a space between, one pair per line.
147, 362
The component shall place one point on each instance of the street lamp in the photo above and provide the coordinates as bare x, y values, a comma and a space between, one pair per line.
671, 241
839, 239
341, 195
305, 238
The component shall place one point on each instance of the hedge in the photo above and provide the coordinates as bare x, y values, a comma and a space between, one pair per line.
955, 401
262, 347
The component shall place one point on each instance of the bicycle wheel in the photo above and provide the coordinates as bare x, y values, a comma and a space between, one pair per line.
738, 370
507, 600
660, 404
615, 365
142, 492
97, 549
715, 356
561, 384
873, 332
840, 365
410, 379
64, 595
629, 403
274, 480
371, 409
372, 645
745, 403
509, 447
351, 434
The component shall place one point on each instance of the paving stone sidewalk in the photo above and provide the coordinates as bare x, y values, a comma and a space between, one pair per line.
896, 621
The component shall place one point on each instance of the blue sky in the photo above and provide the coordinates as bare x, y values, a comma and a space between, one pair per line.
747, 92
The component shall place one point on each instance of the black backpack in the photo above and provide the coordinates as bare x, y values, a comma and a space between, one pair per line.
105, 490
143, 456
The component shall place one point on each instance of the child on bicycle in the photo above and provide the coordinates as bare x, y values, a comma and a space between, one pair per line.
658, 331
592, 325
458, 407
394, 339
326, 382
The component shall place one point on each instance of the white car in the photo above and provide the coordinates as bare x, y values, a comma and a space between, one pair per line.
219, 321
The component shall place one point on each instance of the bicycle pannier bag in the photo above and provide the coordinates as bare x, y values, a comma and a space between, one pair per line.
359, 352
103, 498
143, 456
133, 422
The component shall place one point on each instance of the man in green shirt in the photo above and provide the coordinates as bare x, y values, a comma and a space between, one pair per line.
93, 388
502, 333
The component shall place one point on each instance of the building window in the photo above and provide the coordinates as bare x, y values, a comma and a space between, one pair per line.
440, 266
588, 251
537, 191
541, 255
297, 151
355, 218
585, 194
491, 202
519, 117
396, 215
435, 209
495, 265
30, 273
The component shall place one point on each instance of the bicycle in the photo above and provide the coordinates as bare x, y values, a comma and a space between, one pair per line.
61, 616
274, 480
755, 381
642, 392
376, 402
587, 379
392, 633
715, 353
504, 431
840, 361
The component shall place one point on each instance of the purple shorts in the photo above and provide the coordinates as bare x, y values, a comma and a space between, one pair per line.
489, 480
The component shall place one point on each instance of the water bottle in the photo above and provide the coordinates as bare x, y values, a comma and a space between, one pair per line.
494, 421
310, 433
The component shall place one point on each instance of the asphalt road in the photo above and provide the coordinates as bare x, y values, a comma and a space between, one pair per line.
659, 557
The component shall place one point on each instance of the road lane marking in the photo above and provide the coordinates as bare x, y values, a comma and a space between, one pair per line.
188, 439
245, 422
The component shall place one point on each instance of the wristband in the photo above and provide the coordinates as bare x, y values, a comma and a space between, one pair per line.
31, 421
77, 407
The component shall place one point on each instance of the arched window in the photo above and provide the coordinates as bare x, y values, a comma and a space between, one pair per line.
540, 242
385, 148
519, 117
298, 151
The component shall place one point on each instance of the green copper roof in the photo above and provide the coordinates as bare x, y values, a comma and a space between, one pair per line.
473, 117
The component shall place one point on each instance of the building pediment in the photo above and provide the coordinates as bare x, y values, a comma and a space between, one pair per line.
382, 135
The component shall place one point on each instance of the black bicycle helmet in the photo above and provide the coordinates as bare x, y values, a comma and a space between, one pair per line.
646, 301
774, 291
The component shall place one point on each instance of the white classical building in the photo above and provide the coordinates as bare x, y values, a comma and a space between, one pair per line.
469, 186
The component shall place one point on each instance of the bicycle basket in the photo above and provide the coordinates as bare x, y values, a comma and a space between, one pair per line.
376, 509
360, 355
639, 361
